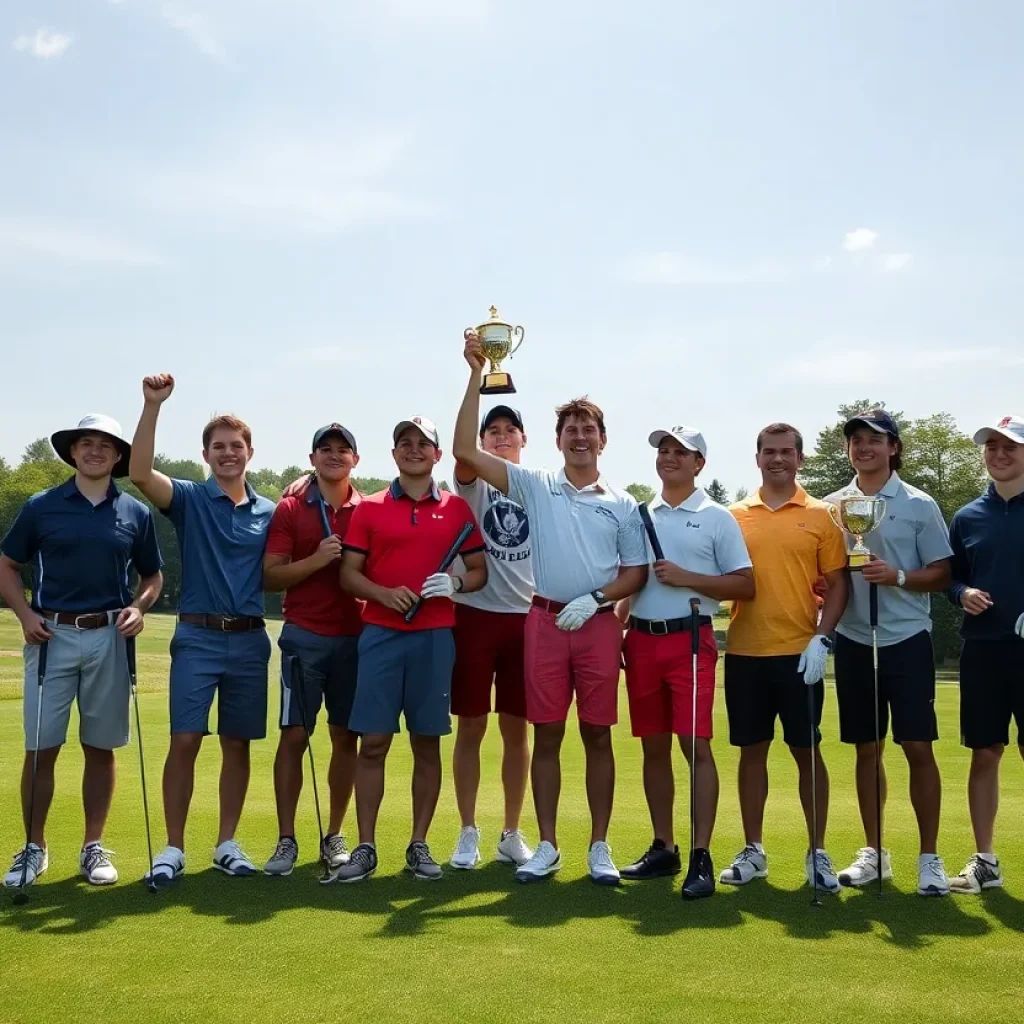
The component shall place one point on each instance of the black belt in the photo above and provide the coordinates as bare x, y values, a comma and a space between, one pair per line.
223, 623
663, 627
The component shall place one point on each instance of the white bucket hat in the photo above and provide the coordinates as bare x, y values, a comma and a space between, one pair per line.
94, 423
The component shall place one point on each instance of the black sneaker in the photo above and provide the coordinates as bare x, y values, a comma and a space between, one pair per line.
700, 877
361, 864
658, 862
420, 863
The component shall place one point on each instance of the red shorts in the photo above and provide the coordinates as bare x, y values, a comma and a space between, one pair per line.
659, 682
488, 648
586, 661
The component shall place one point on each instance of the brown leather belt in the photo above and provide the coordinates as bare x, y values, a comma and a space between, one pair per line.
82, 620
556, 606
224, 623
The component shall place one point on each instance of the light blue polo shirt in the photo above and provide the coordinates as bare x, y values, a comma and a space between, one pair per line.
221, 547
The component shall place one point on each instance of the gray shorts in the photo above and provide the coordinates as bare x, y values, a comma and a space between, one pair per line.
90, 664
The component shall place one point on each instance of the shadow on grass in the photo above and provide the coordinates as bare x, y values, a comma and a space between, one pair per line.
408, 907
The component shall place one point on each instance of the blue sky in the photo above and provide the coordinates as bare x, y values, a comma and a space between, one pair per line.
719, 214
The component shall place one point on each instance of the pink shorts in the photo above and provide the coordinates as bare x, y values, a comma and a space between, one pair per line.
558, 663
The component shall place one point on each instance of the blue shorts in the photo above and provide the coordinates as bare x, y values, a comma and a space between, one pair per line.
404, 671
316, 670
232, 665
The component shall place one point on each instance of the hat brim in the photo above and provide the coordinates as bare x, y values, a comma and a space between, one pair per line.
501, 410
657, 436
62, 441
851, 425
981, 436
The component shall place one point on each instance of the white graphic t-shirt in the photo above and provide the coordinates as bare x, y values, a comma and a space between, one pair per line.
506, 530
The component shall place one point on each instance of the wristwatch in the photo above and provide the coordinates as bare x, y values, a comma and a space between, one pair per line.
598, 596
901, 578
459, 584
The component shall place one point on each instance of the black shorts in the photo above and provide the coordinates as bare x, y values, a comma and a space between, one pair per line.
906, 687
991, 691
316, 670
759, 690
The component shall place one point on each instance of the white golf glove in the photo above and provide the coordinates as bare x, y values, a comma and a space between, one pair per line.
438, 585
576, 613
1019, 628
812, 661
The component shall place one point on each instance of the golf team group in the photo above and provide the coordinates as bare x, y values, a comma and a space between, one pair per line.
550, 588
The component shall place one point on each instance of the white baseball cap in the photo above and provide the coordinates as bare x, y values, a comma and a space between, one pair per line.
423, 425
93, 423
1009, 426
688, 437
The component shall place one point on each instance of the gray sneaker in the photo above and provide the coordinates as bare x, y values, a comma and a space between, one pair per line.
286, 853
420, 863
361, 864
334, 851
977, 875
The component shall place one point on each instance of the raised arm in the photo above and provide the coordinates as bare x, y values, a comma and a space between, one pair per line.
153, 484
475, 462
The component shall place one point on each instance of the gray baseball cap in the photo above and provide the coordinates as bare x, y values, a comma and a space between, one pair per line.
423, 425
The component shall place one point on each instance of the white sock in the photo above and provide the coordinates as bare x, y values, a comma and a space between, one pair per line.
989, 858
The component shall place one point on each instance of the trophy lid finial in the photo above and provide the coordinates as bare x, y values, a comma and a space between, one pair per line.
494, 312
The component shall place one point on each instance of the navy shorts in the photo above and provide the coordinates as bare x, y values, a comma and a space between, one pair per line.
316, 670
991, 691
205, 662
404, 671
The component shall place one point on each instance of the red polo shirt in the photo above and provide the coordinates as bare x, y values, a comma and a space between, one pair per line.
404, 542
317, 603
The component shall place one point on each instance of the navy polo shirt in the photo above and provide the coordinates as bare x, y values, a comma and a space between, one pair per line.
221, 548
80, 553
987, 537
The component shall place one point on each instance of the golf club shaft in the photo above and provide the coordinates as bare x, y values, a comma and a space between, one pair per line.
298, 676
40, 678
873, 612
129, 646
450, 556
811, 715
694, 645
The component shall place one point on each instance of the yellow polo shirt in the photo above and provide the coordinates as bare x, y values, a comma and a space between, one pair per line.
790, 547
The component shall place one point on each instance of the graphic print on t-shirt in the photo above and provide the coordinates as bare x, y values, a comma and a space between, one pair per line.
506, 528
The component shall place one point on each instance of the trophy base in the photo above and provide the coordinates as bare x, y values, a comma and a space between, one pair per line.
497, 384
857, 561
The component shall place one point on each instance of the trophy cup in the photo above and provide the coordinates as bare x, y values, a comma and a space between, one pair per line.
496, 339
857, 515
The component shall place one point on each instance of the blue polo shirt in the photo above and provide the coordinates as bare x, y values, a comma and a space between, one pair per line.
80, 553
987, 537
221, 548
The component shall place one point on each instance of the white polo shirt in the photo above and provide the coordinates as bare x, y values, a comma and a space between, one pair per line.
580, 536
698, 535
506, 530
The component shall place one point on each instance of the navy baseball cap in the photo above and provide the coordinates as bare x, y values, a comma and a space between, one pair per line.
339, 431
501, 410
873, 419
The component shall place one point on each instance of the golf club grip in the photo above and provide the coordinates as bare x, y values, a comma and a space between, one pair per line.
695, 622
652, 535
129, 650
324, 521
41, 670
450, 556
873, 604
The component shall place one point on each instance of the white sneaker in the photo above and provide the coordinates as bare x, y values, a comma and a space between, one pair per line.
168, 865
864, 868
282, 860
599, 860
931, 876
232, 860
512, 849
827, 878
38, 862
94, 863
335, 850
467, 850
748, 864
545, 861
977, 874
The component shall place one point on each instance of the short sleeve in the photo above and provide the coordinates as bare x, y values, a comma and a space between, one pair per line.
281, 534
832, 554
22, 540
146, 550
632, 541
466, 490
730, 548
524, 485
475, 541
182, 494
933, 536
357, 536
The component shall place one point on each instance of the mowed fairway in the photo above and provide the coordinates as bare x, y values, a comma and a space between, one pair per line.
475, 946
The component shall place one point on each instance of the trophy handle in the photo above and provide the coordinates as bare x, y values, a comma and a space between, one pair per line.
833, 514
880, 513
521, 333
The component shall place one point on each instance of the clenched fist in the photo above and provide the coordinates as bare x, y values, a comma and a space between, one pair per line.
157, 388
472, 352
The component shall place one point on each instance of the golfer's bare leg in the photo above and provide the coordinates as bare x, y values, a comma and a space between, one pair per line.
659, 785
706, 786
44, 792
466, 765
179, 779
234, 784
515, 766
597, 746
291, 747
341, 775
983, 795
802, 756
426, 783
753, 789
866, 789
925, 791
546, 775
97, 790
373, 753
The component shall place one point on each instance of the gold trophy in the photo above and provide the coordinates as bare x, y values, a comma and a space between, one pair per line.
857, 515
496, 339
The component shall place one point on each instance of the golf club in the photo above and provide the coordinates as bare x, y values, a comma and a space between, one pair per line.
816, 901
298, 678
873, 606
694, 644
652, 536
20, 895
450, 556
129, 647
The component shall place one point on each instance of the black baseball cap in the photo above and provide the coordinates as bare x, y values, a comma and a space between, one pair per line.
873, 419
335, 428
501, 410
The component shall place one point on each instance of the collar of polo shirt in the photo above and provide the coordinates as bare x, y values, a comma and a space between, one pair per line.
70, 489
313, 495
800, 498
599, 485
397, 491
215, 490
890, 490
694, 503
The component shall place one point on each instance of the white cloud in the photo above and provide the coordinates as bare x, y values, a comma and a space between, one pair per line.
834, 361
25, 237
198, 29
859, 239
43, 43
896, 260
678, 270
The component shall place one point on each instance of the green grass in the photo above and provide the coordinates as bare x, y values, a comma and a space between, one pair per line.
477, 947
